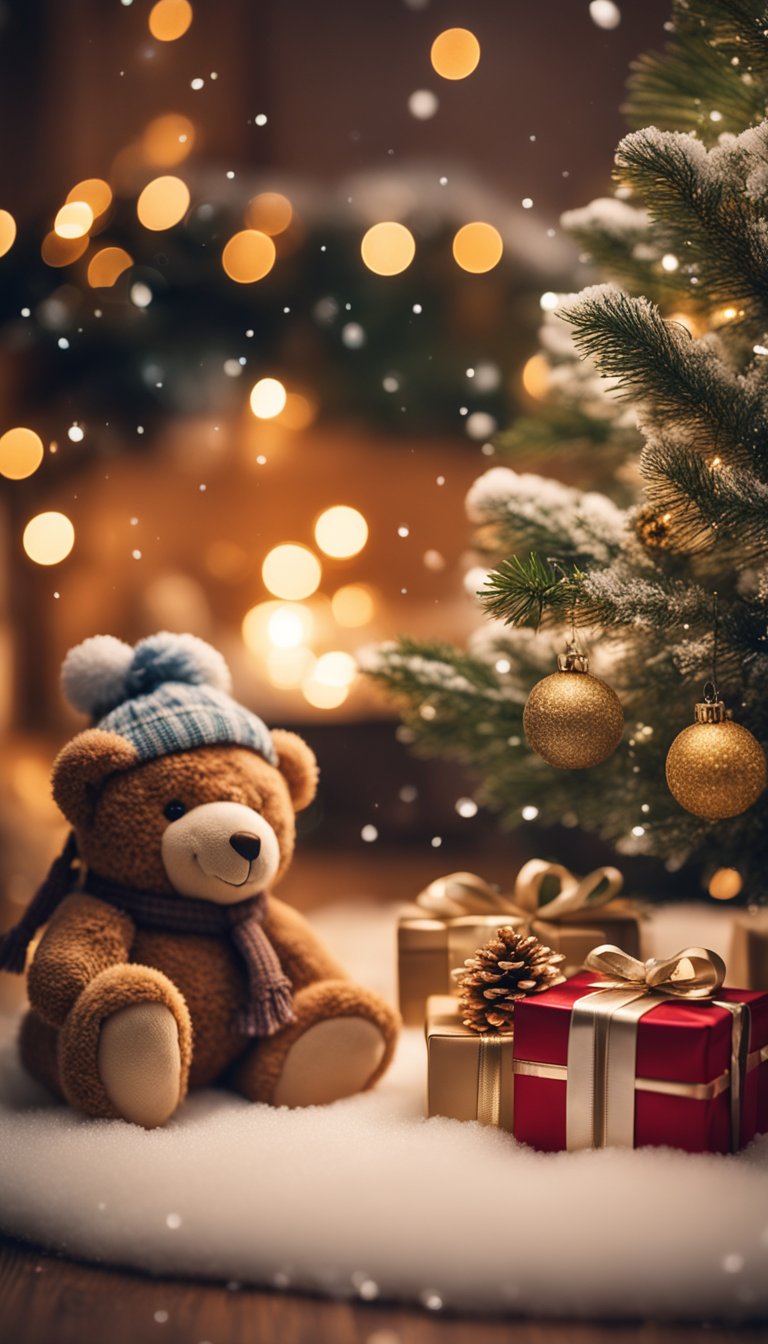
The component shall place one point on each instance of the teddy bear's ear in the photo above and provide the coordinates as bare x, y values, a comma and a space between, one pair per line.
297, 764
81, 768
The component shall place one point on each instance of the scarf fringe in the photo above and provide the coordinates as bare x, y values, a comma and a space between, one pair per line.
269, 1012
61, 878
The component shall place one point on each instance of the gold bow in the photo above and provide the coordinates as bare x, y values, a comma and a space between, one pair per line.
460, 894
693, 973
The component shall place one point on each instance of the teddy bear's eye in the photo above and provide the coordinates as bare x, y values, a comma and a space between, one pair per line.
174, 810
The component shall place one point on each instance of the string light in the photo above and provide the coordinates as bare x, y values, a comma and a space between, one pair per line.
57, 251
291, 571
321, 695
95, 192
388, 248
455, 53
289, 626
163, 203
477, 247
335, 668
48, 538
21, 452
725, 884
248, 256
536, 374
270, 213
341, 531
289, 668
167, 140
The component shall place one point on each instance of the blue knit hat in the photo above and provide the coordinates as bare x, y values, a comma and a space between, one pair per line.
170, 693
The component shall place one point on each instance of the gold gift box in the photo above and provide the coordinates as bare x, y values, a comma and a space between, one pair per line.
431, 945
748, 956
463, 1081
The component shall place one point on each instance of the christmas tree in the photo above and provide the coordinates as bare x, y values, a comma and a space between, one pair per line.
661, 373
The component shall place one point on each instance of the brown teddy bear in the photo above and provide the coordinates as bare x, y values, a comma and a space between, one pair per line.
167, 964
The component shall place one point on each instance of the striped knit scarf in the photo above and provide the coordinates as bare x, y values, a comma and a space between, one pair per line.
270, 1004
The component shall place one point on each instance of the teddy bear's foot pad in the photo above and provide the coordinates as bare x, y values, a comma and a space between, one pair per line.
140, 1063
330, 1060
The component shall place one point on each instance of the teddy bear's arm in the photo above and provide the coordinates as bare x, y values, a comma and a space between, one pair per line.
302, 955
84, 937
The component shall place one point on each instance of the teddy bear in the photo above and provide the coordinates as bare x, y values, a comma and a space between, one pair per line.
167, 964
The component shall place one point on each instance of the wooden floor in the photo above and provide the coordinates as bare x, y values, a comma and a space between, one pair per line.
44, 1300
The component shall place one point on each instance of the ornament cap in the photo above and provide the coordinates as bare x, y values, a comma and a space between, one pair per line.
573, 660
709, 711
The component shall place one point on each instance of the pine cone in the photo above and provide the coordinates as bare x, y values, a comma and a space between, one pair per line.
654, 530
510, 967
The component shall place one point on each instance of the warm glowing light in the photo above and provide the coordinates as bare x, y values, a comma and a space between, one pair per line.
270, 212
669, 262
95, 192
455, 53
477, 247
291, 571
336, 668
288, 668
388, 248
289, 626
21, 452
163, 203
549, 301
298, 412
536, 376
106, 266
248, 256
7, 232
352, 606
322, 696
48, 538
57, 251
73, 220
341, 531
169, 19
254, 626
168, 140
725, 884
268, 398
683, 320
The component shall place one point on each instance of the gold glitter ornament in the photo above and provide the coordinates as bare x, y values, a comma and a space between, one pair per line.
715, 768
572, 719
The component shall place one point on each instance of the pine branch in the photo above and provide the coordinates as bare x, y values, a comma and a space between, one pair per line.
521, 591
704, 215
709, 504
716, 60
679, 380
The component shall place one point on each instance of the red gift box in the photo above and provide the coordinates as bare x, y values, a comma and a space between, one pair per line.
685, 1068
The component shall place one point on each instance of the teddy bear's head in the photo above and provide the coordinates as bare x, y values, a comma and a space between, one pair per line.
177, 788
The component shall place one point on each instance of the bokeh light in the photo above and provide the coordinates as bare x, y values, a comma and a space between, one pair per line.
536, 376
725, 884
170, 19
7, 232
95, 192
477, 247
289, 668
106, 266
290, 625
298, 412
57, 251
455, 53
48, 538
291, 571
163, 203
388, 248
167, 140
73, 220
352, 606
270, 213
335, 668
321, 695
268, 398
341, 531
21, 452
248, 256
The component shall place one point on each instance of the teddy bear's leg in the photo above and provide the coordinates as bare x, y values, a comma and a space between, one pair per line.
38, 1050
126, 1047
341, 1043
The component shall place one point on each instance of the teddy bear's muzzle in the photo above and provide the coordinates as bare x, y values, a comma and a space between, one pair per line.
220, 852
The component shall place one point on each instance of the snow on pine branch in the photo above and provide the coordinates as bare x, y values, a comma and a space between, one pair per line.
607, 215
428, 672
544, 514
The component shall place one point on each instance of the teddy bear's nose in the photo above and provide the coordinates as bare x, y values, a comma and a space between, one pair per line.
248, 846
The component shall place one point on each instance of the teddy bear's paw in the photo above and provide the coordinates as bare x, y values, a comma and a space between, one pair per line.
330, 1060
139, 1062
